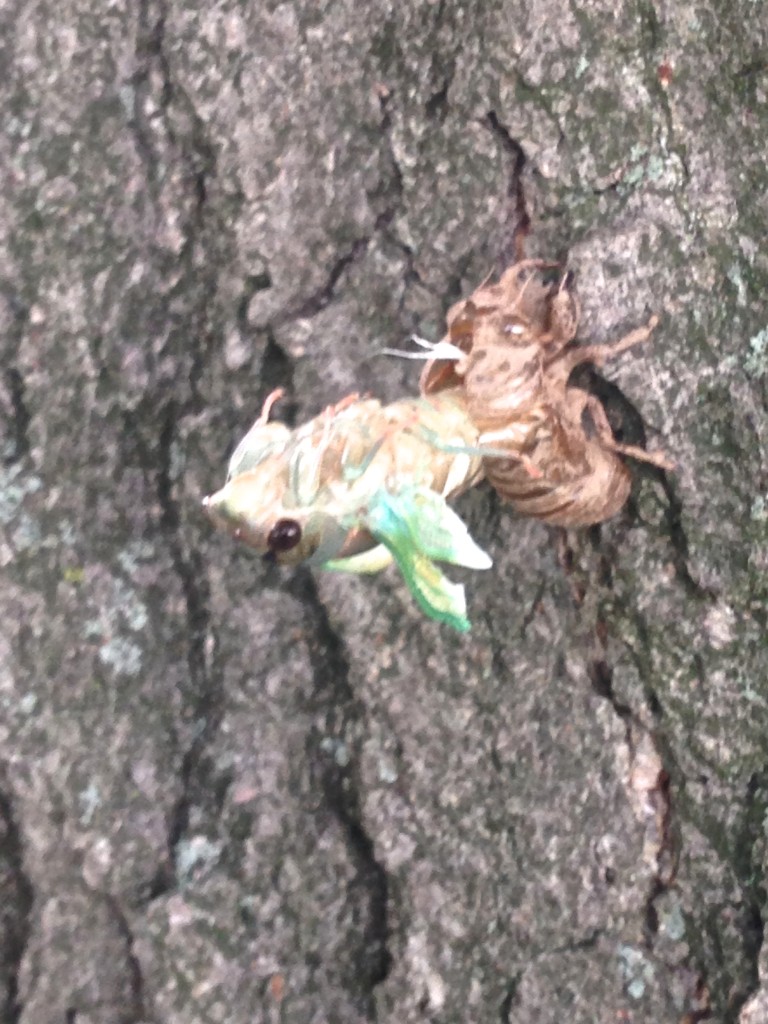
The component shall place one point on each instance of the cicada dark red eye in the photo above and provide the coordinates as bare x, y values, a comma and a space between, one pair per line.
284, 535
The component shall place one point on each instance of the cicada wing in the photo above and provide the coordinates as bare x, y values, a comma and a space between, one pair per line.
438, 531
419, 528
434, 592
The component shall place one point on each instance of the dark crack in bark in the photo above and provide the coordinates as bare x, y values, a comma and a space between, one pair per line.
388, 193
16, 901
205, 696
678, 540
411, 274
533, 608
343, 723
651, 771
322, 297
651, 782
517, 221
252, 285
277, 372
19, 418
198, 158
167, 128
508, 1002
14, 408
204, 692
149, 51
137, 1011
436, 107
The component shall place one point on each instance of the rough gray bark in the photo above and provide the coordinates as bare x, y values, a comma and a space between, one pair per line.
232, 794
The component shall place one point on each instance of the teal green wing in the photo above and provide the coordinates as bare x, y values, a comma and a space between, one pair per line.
419, 528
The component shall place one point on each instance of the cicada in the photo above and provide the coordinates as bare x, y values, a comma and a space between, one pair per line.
359, 486
364, 484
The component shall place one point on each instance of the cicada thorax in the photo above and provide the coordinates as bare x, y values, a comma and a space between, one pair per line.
509, 334
503, 374
520, 296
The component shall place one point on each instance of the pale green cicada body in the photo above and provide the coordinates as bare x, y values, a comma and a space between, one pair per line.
359, 486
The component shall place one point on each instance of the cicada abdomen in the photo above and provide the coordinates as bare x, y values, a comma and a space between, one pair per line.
566, 473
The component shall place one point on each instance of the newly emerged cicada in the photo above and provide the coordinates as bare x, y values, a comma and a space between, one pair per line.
363, 484
359, 486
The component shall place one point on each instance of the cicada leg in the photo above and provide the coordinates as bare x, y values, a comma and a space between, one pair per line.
657, 459
599, 354
269, 401
564, 312
603, 427
344, 403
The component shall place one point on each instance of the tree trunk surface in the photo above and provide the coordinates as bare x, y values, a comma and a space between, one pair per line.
232, 793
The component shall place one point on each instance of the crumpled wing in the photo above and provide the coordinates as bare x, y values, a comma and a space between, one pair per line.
418, 528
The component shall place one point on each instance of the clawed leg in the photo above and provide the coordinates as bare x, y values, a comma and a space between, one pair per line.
599, 354
344, 403
605, 434
635, 337
657, 459
269, 401
529, 264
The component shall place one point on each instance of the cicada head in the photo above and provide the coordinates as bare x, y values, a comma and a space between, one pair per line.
250, 508
520, 316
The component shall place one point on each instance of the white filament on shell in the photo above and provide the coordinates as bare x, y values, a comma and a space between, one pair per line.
434, 350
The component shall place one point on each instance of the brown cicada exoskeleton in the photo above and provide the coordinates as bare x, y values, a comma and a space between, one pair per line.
564, 465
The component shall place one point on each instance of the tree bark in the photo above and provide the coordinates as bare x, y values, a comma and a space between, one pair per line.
232, 793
